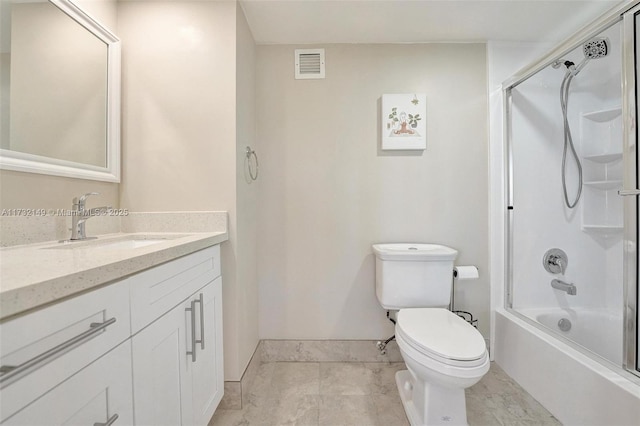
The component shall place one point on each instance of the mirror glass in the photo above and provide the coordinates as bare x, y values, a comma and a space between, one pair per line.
58, 97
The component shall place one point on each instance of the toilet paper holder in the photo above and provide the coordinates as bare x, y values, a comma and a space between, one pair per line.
463, 273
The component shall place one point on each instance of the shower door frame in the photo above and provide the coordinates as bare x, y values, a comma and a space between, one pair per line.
625, 15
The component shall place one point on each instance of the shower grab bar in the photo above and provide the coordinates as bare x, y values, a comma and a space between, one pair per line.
627, 192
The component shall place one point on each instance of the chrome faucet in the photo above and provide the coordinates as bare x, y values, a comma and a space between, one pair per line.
555, 261
79, 215
561, 285
558, 262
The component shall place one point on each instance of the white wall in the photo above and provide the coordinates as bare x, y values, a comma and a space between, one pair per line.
246, 195
327, 191
188, 110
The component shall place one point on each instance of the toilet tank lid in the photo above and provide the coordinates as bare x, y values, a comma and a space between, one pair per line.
414, 251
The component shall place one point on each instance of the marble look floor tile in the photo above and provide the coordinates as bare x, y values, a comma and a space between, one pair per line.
261, 385
279, 381
360, 394
340, 378
295, 378
384, 377
497, 399
389, 410
347, 410
250, 416
300, 410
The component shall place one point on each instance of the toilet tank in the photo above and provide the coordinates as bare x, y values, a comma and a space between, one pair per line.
413, 275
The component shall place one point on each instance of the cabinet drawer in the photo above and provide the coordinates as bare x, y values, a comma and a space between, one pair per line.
98, 393
156, 291
42, 349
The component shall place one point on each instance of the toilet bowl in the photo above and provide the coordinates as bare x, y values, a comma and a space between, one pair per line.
444, 355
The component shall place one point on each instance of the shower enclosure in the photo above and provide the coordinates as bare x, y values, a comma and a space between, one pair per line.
572, 204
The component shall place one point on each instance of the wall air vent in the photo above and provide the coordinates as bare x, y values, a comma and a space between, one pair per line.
309, 63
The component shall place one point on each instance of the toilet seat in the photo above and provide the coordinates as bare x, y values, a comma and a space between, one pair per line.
442, 336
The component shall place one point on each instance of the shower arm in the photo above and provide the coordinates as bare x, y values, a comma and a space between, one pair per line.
582, 64
575, 70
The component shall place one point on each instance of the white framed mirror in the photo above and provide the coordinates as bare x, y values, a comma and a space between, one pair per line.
60, 75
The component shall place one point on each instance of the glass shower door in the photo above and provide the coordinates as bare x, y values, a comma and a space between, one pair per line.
573, 211
630, 191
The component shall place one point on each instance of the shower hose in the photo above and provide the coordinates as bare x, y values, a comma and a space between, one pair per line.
568, 142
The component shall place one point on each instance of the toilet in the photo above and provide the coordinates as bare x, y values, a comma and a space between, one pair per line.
444, 354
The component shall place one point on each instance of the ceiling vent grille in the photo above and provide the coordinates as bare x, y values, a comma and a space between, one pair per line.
309, 63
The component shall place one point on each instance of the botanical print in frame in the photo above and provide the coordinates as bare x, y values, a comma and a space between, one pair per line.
404, 122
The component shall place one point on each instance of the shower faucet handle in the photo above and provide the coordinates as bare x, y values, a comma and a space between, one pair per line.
555, 261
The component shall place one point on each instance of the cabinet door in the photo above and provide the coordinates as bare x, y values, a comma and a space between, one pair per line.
172, 386
160, 369
207, 376
96, 394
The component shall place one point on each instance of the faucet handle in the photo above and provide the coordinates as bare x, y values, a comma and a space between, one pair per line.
79, 201
85, 196
555, 261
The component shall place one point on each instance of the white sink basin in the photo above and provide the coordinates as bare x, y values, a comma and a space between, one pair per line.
128, 244
120, 243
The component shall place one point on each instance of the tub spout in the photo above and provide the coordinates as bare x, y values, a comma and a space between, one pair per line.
561, 285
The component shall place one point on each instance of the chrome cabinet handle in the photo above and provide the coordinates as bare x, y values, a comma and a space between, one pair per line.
627, 192
109, 422
192, 309
201, 302
9, 371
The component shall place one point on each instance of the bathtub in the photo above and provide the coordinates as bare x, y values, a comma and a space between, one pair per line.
599, 331
578, 389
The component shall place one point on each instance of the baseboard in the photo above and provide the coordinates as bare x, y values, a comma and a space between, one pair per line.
236, 393
327, 351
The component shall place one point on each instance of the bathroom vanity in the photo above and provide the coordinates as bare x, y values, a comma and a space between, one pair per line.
91, 330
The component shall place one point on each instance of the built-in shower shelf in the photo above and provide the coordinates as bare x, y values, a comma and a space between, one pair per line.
603, 115
603, 229
604, 184
604, 158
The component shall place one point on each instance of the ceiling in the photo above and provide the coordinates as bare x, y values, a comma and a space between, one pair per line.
417, 21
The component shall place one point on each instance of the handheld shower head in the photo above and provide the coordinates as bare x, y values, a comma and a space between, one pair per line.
596, 48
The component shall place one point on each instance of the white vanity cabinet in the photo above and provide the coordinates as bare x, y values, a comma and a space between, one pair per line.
98, 395
177, 362
43, 351
177, 354
146, 350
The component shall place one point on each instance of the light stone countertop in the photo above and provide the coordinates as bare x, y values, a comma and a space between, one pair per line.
34, 275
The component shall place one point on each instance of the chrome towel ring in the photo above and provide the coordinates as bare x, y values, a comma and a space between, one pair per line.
249, 153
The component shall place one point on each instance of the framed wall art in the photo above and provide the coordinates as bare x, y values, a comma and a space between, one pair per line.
404, 123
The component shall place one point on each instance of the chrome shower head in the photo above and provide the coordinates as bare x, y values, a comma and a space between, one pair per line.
596, 48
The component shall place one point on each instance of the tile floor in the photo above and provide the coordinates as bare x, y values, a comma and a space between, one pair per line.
359, 394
